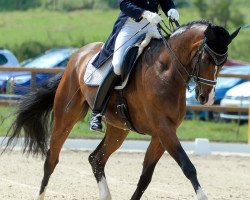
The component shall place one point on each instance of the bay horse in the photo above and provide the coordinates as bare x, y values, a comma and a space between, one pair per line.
155, 96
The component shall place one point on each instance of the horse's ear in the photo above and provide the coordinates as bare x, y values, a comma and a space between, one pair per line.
234, 34
209, 34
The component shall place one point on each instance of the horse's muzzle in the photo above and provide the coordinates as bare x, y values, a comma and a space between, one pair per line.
201, 98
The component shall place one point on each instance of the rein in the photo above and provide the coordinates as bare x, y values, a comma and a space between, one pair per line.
219, 60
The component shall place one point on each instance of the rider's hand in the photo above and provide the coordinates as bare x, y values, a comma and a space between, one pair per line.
153, 18
173, 14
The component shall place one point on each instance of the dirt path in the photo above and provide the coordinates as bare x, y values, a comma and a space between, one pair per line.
223, 177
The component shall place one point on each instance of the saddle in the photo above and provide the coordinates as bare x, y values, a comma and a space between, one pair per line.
94, 76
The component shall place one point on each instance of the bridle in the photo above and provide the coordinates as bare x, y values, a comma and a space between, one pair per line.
219, 60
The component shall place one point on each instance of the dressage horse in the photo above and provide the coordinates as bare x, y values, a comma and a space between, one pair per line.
155, 96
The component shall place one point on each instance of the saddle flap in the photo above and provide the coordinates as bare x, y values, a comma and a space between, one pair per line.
130, 57
129, 61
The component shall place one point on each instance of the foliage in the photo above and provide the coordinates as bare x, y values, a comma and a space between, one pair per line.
111, 3
182, 3
220, 12
65, 5
68, 5
30, 49
18, 4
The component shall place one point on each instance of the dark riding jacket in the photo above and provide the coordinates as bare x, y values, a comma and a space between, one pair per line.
133, 9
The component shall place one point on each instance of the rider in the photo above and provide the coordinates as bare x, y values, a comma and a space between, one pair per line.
134, 15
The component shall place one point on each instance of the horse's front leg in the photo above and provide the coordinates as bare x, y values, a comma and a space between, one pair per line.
153, 154
172, 144
114, 138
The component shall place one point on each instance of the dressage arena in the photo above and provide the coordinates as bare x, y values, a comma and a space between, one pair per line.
222, 177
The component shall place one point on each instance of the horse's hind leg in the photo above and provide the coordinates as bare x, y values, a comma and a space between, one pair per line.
64, 120
153, 154
172, 144
113, 139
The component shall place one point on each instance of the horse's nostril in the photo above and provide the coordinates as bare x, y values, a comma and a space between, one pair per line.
196, 93
202, 99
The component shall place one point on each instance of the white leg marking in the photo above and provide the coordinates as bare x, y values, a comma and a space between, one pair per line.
41, 196
201, 195
104, 190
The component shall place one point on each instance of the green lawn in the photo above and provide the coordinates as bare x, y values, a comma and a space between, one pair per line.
59, 27
189, 130
84, 26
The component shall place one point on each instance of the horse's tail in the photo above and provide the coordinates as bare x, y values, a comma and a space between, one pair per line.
33, 116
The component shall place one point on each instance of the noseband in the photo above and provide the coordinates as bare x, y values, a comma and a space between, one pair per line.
219, 60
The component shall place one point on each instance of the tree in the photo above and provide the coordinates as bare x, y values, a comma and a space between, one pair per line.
182, 3
222, 12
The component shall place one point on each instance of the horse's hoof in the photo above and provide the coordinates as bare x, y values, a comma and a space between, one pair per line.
40, 197
106, 198
201, 195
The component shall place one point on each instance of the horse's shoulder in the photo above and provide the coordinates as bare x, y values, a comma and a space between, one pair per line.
88, 50
91, 47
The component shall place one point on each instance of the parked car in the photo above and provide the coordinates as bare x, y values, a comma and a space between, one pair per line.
20, 82
7, 59
231, 63
222, 86
238, 96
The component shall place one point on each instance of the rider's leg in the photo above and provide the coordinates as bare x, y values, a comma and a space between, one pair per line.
104, 91
101, 100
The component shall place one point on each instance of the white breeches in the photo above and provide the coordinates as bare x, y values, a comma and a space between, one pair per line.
128, 30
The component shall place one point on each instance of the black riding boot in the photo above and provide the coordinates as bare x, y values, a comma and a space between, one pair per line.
101, 100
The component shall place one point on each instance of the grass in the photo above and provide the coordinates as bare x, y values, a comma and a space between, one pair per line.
84, 26
189, 130
58, 27
214, 131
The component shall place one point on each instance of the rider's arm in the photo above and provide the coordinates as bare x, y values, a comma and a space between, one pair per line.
166, 5
131, 9
168, 8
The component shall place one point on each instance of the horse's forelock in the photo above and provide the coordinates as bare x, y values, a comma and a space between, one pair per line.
221, 41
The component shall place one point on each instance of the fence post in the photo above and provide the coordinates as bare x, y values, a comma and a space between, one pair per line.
249, 119
249, 123
33, 80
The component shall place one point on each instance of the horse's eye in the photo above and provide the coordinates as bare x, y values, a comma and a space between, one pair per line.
206, 62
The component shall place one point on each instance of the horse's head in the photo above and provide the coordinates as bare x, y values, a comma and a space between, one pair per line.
208, 59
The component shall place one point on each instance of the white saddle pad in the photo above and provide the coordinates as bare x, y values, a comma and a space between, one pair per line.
94, 76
